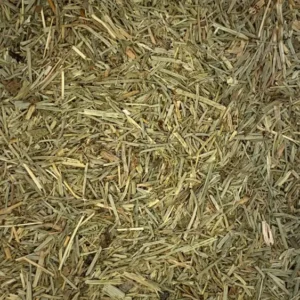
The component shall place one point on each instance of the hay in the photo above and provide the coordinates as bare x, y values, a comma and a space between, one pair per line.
149, 149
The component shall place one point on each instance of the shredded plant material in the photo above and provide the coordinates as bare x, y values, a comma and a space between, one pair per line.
149, 149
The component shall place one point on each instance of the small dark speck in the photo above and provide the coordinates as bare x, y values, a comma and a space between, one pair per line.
164, 295
106, 239
88, 260
16, 56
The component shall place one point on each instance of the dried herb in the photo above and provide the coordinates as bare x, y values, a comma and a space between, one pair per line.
149, 150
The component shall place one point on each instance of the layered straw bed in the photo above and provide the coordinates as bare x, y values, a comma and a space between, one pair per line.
149, 149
